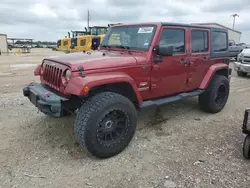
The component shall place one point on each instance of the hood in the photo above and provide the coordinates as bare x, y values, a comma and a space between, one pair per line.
95, 60
246, 52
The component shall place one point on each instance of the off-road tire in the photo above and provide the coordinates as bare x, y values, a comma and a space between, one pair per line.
207, 100
246, 147
92, 112
241, 74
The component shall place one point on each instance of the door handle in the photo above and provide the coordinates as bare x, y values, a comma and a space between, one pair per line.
205, 59
155, 67
183, 61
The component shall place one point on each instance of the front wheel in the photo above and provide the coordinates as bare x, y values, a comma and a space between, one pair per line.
215, 97
106, 124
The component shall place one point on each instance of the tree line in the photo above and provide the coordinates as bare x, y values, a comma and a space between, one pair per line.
35, 42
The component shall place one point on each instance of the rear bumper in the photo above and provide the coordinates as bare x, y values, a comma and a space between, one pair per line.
238, 66
45, 100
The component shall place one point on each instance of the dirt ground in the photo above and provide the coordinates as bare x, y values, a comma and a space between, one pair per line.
176, 145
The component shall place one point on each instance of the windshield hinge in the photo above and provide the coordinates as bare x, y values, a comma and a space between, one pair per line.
80, 68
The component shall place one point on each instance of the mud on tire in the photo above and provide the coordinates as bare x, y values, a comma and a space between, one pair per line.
106, 124
216, 95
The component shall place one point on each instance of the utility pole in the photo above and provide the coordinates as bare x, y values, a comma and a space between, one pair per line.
234, 15
88, 19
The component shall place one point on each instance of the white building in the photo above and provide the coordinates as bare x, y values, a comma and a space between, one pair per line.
232, 34
3, 43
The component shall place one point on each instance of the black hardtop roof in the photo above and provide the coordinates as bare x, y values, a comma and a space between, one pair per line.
189, 25
174, 24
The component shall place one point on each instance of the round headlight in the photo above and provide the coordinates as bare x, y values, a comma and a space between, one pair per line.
68, 75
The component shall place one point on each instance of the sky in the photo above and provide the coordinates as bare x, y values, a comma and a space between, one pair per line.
51, 19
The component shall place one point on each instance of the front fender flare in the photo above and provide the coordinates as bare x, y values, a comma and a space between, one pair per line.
76, 84
210, 73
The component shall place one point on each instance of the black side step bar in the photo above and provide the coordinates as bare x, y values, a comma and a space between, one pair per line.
165, 100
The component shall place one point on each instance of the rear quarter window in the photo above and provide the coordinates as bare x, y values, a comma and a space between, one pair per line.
219, 41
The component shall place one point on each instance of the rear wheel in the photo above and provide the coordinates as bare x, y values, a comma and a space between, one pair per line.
246, 147
106, 124
215, 97
241, 74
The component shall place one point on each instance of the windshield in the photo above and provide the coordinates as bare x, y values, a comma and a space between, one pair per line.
137, 37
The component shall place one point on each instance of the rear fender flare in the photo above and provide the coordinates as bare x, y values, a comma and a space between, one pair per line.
76, 84
210, 73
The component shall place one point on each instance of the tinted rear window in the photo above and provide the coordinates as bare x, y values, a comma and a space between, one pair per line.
219, 41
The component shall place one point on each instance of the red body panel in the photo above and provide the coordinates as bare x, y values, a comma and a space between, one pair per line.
198, 65
76, 85
170, 76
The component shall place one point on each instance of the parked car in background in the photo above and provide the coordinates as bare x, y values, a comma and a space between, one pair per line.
242, 65
234, 49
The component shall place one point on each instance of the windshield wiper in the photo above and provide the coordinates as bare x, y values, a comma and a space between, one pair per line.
106, 46
122, 46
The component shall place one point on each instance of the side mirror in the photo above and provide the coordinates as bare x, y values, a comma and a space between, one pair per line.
164, 50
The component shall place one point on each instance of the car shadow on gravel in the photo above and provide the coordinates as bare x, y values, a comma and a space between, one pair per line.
155, 117
58, 133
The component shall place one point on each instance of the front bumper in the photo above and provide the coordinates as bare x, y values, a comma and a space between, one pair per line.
45, 100
238, 66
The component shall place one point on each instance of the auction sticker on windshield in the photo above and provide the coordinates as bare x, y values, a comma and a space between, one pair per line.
145, 29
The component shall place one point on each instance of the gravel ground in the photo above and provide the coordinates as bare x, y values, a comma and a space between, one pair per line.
176, 145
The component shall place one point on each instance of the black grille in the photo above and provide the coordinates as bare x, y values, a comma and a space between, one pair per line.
52, 76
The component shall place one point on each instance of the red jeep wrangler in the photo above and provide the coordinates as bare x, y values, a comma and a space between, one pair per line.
137, 66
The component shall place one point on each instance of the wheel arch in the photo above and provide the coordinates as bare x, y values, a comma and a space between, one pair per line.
116, 82
122, 88
217, 69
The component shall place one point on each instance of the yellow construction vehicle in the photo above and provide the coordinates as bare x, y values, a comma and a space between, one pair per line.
87, 40
91, 41
64, 44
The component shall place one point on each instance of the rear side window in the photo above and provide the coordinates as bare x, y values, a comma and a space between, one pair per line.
175, 38
219, 41
199, 41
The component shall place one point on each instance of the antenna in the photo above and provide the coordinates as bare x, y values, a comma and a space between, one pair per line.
234, 15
